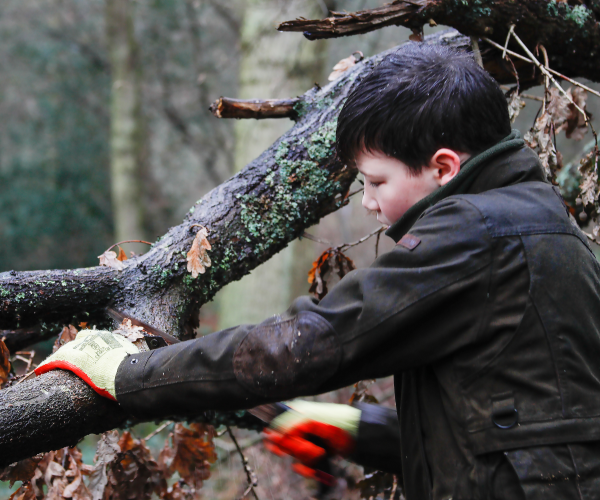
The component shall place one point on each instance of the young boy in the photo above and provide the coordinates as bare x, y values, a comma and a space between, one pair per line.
486, 311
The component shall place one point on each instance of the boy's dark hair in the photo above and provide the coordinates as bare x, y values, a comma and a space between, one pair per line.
419, 99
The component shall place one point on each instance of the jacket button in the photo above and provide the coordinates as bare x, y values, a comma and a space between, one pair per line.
134, 361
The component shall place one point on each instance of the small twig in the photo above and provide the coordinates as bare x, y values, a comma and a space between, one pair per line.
554, 72
128, 241
510, 32
157, 430
524, 96
560, 89
345, 246
252, 479
29, 360
309, 236
355, 192
25, 377
476, 51
377, 245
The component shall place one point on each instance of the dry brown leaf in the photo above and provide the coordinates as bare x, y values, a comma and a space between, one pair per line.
515, 105
109, 259
330, 261
134, 474
197, 258
547, 124
106, 452
344, 65
4, 363
20, 471
191, 455
63, 475
129, 331
179, 492
576, 127
589, 179
24, 492
67, 335
361, 392
122, 256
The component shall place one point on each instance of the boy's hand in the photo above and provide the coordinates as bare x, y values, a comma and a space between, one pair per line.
310, 432
94, 356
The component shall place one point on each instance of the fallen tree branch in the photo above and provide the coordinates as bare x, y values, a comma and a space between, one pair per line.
226, 107
571, 33
341, 24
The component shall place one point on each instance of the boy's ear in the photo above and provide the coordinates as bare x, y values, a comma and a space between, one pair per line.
445, 165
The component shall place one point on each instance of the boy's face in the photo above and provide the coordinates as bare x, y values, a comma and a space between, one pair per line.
391, 189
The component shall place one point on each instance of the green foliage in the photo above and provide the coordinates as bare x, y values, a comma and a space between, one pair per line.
54, 185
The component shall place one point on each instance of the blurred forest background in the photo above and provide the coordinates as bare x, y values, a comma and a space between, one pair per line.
106, 135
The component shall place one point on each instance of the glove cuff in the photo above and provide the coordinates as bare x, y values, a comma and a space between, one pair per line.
65, 365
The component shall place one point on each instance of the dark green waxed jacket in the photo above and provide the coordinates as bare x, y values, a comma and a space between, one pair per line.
487, 312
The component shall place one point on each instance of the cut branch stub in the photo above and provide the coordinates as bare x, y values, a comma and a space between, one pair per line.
225, 107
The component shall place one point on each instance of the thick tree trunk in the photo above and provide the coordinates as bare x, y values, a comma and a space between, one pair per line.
271, 65
126, 124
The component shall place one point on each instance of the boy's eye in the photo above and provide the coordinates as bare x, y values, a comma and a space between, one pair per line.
374, 184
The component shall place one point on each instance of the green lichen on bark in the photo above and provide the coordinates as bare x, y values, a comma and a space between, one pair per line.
299, 186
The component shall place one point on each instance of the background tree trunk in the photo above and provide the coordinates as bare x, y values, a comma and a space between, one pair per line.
272, 66
126, 123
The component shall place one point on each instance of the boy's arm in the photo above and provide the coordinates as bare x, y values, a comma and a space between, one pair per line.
411, 307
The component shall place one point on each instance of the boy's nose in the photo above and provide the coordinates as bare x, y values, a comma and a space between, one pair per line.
369, 202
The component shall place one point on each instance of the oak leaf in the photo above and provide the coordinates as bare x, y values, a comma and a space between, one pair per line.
106, 452
134, 474
192, 453
197, 258
109, 259
129, 331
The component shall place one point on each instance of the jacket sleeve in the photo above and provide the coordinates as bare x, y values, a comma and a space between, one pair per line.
413, 306
378, 439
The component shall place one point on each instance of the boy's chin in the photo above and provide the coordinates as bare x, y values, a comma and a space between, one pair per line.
383, 220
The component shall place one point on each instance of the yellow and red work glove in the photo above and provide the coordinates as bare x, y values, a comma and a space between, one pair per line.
311, 432
94, 356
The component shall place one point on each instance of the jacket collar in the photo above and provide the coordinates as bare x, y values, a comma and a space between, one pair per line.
506, 163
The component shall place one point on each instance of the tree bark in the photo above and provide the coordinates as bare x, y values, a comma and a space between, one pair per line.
571, 34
